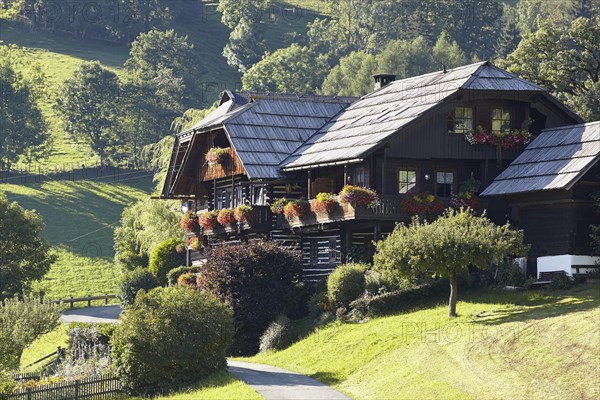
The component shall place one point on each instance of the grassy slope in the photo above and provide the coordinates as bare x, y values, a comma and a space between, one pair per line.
220, 386
80, 217
61, 54
44, 345
537, 345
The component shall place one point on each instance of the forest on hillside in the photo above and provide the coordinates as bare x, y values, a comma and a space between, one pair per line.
553, 43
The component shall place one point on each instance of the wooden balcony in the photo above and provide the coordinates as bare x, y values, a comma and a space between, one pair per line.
389, 208
231, 166
262, 220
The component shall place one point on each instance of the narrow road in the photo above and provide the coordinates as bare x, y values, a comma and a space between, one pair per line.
105, 314
278, 384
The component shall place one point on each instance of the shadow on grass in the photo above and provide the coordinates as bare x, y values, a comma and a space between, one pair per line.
328, 378
537, 305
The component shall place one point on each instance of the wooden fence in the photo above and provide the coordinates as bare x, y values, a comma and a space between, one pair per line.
89, 388
71, 300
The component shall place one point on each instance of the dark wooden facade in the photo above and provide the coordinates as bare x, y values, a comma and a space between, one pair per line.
424, 146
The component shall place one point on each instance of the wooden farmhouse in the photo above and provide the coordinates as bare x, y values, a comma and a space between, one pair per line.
550, 187
421, 144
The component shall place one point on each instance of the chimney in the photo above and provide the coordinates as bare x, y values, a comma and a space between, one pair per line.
382, 80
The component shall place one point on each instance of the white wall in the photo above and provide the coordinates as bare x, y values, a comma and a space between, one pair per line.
564, 263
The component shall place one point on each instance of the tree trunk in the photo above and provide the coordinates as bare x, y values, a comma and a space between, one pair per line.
453, 296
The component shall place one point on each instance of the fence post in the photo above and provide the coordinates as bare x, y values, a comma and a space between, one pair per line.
76, 390
28, 393
72, 301
89, 300
106, 298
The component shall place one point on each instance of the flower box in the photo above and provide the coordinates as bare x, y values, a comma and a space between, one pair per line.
296, 208
243, 214
226, 217
216, 155
323, 204
422, 204
208, 219
189, 222
357, 196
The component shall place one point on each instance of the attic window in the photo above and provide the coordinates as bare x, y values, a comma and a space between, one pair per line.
221, 141
461, 120
500, 120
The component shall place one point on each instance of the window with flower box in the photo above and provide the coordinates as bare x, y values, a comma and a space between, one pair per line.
500, 120
461, 120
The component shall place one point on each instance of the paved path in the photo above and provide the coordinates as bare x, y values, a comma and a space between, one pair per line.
278, 384
105, 314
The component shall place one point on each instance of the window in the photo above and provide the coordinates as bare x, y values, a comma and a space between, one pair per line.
224, 200
314, 252
259, 196
360, 177
239, 196
333, 251
443, 183
500, 120
407, 181
461, 120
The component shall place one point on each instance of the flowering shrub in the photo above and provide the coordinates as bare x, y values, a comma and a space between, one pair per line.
188, 279
356, 195
208, 219
194, 244
243, 214
296, 208
422, 203
278, 205
189, 222
324, 203
226, 216
499, 139
464, 200
216, 155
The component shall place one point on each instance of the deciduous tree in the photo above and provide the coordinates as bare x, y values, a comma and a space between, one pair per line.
564, 60
22, 126
25, 256
88, 103
294, 69
21, 322
446, 248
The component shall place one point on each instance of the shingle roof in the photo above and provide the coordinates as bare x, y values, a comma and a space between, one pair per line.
266, 129
367, 123
556, 159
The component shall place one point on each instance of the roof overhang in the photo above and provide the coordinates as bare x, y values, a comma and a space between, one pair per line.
329, 164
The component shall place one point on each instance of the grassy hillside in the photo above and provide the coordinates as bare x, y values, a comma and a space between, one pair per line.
80, 217
535, 345
60, 54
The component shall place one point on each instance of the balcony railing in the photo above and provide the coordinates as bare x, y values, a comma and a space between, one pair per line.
261, 222
388, 208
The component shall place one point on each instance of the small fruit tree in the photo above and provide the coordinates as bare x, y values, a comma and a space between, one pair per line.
446, 247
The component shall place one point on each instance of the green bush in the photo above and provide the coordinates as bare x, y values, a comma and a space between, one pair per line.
256, 279
400, 300
174, 274
171, 337
278, 335
376, 283
561, 282
164, 258
509, 274
346, 283
132, 282
319, 303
